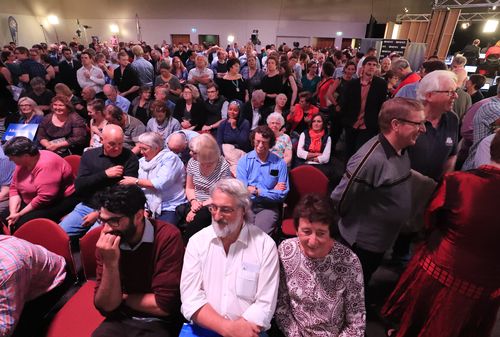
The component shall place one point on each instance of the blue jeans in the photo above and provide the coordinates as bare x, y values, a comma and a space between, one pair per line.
169, 216
72, 223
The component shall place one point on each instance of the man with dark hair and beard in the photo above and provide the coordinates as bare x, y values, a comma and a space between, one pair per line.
139, 263
230, 275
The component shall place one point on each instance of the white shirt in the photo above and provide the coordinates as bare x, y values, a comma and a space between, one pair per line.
255, 118
96, 80
302, 153
243, 283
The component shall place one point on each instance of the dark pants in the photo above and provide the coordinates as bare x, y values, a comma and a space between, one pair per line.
53, 212
128, 327
202, 219
355, 138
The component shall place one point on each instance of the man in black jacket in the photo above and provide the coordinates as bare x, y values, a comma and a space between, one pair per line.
361, 102
99, 168
254, 111
67, 71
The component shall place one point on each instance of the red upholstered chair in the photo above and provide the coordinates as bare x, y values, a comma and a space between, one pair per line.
74, 161
48, 234
303, 180
78, 317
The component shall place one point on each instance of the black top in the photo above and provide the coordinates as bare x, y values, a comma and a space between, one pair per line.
126, 80
233, 89
435, 146
44, 99
67, 74
92, 178
271, 85
476, 97
213, 110
197, 115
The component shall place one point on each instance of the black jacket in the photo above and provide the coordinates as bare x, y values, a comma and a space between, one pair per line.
67, 75
247, 113
351, 102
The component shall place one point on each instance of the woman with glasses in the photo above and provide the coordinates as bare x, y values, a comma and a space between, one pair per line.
162, 122
204, 169
29, 111
189, 110
161, 177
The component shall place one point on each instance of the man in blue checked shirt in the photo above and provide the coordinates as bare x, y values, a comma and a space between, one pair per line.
266, 178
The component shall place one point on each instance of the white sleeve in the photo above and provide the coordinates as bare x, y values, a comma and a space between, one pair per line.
325, 156
301, 153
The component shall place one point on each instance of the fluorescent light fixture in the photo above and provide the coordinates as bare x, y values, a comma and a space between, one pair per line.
494, 8
395, 32
339, 33
194, 30
490, 26
53, 19
230, 38
114, 28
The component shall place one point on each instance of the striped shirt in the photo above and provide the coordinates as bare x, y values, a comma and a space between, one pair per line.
26, 272
203, 184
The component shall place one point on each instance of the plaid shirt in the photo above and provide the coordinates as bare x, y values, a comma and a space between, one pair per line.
26, 272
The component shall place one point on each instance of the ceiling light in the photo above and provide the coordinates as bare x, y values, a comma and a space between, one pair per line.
406, 10
53, 19
339, 33
114, 28
465, 25
230, 38
494, 7
490, 26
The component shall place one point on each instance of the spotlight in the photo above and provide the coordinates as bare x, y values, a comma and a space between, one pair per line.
494, 8
465, 25
230, 38
339, 33
53, 19
406, 10
114, 28
490, 26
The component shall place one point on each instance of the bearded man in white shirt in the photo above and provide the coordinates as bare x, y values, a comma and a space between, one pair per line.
230, 276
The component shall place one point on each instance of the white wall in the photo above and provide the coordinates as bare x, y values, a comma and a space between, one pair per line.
157, 30
29, 30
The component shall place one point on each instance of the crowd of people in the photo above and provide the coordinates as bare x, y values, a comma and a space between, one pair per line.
186, 152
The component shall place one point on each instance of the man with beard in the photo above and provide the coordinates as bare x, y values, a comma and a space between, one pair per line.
99, 168
230, 276
139, 263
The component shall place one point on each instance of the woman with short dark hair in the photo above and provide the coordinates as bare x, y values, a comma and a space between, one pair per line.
42, 183
162, 121
232, 86
321, 280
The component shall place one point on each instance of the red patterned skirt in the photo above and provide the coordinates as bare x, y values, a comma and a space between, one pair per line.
428, 301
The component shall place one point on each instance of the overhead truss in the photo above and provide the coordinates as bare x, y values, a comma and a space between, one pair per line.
464, 17
440, 4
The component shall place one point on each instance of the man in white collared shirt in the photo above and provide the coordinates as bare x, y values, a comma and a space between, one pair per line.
89, 75
230, 276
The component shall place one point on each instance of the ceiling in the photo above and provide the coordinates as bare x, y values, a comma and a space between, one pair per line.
314, 10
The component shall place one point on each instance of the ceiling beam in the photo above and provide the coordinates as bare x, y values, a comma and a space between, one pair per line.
441, 4
467, 17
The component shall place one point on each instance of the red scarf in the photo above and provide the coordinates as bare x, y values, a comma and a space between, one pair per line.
316, 136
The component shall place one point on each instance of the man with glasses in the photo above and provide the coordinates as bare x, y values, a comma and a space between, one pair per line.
139, 263
99, 168
373, 199
230, 276
266, 177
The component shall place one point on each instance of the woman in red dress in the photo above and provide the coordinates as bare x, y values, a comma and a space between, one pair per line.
451, 287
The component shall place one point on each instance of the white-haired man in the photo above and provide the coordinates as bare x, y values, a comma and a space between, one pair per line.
229, 281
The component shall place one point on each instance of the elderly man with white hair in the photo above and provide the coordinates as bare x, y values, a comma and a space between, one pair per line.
435, 152
229, 281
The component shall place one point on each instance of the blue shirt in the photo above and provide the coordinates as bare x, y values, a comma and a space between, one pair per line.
252, 172
121, 102
408, 91
6, 169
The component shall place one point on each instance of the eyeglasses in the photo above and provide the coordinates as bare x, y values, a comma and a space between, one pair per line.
450, 93
222, 209
211, 91
111, 222
419, 124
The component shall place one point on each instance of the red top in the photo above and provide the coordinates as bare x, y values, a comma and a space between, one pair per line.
50, 179
413, 77
465, 212
322, 90
297, 116
494, 50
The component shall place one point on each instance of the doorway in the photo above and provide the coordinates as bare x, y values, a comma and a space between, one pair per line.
180, 38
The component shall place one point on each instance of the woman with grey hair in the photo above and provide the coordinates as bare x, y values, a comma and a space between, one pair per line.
204, 169
161, 176
283, 146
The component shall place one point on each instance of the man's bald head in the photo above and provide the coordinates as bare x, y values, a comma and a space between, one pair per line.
112, 140
177, 142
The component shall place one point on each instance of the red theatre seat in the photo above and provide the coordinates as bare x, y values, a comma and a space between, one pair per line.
304, 179
74, 161
78, 317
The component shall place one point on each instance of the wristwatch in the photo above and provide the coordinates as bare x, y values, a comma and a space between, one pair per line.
137, 182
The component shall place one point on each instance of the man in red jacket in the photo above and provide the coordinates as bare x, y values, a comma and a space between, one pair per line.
402, 69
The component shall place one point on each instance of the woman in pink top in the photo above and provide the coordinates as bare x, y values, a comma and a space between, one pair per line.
42, 184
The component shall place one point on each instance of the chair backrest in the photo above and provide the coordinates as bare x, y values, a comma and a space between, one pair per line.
74, 161
305, 179
50, 235
87, 252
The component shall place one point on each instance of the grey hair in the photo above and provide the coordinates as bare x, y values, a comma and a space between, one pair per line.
34, 106
258, 95
400, 64
236, 189
206, 147
275, 116
459, 59
152, 139
280, 95
432, 82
